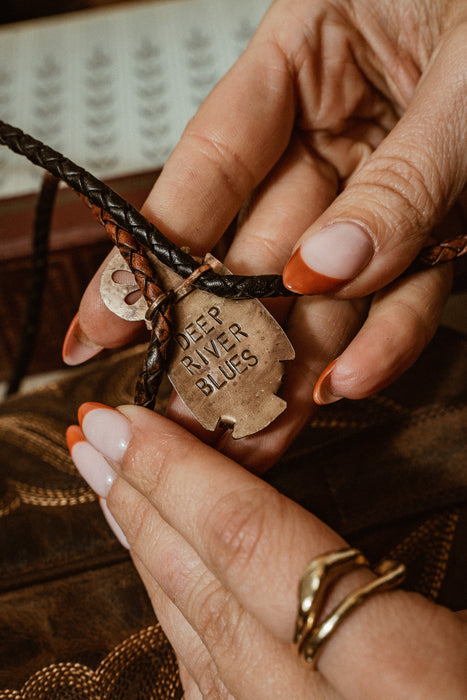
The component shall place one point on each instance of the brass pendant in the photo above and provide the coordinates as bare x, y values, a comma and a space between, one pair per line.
227, 356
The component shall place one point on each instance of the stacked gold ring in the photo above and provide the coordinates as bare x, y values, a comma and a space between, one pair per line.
320, 574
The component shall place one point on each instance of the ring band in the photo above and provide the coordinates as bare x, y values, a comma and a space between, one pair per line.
314, 585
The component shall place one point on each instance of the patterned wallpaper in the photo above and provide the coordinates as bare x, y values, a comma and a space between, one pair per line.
114, 88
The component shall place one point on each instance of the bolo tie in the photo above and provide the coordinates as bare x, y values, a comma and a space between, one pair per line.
209, 348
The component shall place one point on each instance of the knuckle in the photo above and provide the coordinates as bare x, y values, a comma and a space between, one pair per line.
154, 482
411, 318
232, 171
264, 252
204, 671
417, 328
422, 311
217, 617
237, 526
403, 188
132, 467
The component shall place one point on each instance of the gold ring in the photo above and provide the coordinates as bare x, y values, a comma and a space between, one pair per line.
310, 634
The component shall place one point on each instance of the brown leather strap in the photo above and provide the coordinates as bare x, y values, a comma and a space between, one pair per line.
162, 320
442, 252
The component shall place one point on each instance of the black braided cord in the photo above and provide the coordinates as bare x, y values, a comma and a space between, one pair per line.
133, 234
130, 219
36, 283
157, 356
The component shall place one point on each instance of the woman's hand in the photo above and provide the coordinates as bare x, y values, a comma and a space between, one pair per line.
221, 554
344, 124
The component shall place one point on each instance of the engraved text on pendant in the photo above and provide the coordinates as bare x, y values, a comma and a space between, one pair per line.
227, 355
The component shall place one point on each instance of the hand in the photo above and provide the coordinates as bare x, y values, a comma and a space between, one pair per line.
344, 123
221, 554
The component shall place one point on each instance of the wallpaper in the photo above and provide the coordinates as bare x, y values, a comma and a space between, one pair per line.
113, 89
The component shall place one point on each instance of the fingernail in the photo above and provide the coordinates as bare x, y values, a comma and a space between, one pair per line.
112, 523
106, 429
329, 259
77, 347
90, 463
323, 393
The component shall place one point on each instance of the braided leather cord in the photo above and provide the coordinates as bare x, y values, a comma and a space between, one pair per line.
133, 234
443, 252
129, 219
37, 280
162, 321
157, 356
146, 233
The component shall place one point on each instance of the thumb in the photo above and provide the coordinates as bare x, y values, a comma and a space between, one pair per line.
376, 227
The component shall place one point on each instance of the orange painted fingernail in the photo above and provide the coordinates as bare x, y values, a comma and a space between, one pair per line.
300, 278
90, 463
77, 347
73, 435
323, 393
328, 259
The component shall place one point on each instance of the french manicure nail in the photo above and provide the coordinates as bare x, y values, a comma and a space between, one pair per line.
77, 347
106, 429
112, 523
90, 463
328, 259
323, 393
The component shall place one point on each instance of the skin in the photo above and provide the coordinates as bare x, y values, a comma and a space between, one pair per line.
221, 553
337, 111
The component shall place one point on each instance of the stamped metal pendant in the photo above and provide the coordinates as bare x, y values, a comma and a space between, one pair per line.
227, 356
119, 290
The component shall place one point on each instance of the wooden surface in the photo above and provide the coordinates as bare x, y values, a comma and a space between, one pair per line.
77, 247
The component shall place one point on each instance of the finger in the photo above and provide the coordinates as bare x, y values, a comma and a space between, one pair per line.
402, 320
96, 327
319, 328
157, 441
290, 199
207, 627
376, 227
194, 661
245, 532
174, 575
295, 193
178, 411
190, 687
228, 147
